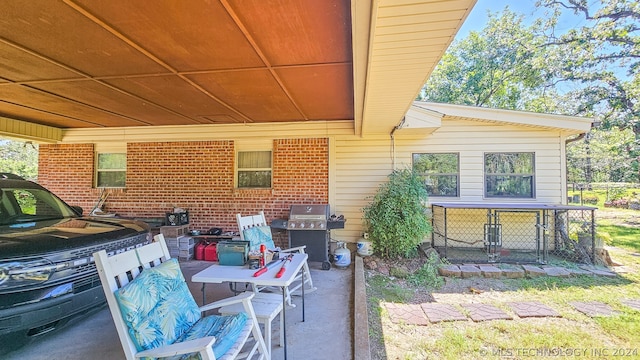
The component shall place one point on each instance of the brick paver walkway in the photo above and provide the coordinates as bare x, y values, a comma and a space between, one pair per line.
485, 312
423, 314
532, 309
635, 304
406, 313
442, 312
593, 308
517, 271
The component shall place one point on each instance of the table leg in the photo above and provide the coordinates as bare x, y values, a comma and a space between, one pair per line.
284, 320
302, 295
204, 297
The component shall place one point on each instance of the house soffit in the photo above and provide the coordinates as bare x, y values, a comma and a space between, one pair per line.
79, 64
83, 64
408, 38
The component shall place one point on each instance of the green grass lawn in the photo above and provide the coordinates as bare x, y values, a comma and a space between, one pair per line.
603, 194
584, 336
620, 236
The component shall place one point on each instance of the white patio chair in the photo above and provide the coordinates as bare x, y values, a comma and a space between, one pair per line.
253, 223
156, 316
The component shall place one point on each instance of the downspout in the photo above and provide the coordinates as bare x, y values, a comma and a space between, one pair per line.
594, 125
579, 137
393, 143
566, 165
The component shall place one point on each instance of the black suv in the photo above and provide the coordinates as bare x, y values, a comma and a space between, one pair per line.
47, 272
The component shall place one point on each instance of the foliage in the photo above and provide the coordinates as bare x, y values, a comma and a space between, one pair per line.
592, 70
602, 157
494, 67
19, 158
427, 276
605, 192
616, 193
600, 59
599, 63
621, 236
396, 217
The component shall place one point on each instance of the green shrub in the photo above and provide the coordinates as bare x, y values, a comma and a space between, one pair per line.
616, 193
396, 218
590, 199
427, 276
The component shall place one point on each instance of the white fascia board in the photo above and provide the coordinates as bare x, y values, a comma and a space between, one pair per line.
419, 118
565, 122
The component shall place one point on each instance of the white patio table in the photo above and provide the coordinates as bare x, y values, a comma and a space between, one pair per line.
218, 274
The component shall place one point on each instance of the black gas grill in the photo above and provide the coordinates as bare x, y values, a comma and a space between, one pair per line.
308, 225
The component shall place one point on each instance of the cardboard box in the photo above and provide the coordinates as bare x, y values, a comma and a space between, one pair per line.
174, 231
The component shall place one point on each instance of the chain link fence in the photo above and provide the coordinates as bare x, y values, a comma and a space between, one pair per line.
514, 233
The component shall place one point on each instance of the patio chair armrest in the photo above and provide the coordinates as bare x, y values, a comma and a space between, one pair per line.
245, 296
299, 249
185, 347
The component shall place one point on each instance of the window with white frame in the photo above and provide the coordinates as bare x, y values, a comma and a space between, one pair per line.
111, 170
441, 172
509, 175
254, 169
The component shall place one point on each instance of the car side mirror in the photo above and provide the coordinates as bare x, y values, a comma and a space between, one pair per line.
77, 209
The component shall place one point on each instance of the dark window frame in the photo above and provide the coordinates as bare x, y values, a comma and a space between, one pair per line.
429, 177
501, 183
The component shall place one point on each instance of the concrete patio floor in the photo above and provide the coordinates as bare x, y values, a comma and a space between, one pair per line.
326, 333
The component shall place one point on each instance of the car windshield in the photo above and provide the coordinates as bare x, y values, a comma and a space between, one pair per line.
19, 206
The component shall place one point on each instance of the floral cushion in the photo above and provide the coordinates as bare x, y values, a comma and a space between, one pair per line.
226, 329
159, 310
258, 235
157, 306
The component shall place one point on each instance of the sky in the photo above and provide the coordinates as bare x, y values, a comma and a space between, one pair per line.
478, 18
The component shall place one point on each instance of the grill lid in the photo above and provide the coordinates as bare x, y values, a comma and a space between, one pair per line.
308, 217
309, 212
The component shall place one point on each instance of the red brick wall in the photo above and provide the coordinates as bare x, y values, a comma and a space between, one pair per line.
196, 175
67, 171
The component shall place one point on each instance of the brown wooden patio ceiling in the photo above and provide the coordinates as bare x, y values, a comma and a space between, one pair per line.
117, 63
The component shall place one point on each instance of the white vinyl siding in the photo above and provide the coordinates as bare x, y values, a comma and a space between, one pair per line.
357, 165
362, 164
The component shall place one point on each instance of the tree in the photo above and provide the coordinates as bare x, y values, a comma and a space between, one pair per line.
19, 158
601, 58
497, 67
604, 154
592, 70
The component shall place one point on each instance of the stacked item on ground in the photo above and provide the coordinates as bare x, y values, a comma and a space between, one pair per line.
175, 238
187, 246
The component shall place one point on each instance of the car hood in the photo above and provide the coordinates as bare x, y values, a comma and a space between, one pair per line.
40, 237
